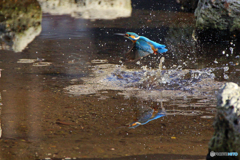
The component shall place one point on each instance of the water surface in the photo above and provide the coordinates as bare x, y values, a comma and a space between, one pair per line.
71, 95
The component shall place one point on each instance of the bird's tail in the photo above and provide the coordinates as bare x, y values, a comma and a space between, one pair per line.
162, 50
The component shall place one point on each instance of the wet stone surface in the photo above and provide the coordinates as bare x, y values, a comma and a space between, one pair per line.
68, 94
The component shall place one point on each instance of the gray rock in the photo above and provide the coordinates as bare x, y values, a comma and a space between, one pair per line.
226, 137
218, 15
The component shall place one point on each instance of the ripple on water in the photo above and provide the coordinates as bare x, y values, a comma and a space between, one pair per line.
99, 61
206, 117
36, 62
184, 112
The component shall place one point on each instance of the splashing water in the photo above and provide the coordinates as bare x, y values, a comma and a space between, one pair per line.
148, 83
158, 79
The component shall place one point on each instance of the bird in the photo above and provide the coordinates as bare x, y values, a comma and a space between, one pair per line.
142, 46
146, 116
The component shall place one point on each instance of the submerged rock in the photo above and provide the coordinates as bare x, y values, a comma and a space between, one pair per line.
217, 19
227, 123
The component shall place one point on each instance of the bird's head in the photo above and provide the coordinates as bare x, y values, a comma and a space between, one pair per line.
130, 35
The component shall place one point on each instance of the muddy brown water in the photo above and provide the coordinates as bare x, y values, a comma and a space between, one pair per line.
41, 119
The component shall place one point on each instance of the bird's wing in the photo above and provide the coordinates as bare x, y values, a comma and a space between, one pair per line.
130, 55
156, 116
145, 116
136, 52
143, 45
140, 53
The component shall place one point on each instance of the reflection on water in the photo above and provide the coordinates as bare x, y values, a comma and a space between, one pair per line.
145, 114
36, 62
88, 9
20, 24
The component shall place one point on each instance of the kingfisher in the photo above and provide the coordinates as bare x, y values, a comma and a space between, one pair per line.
147, 115
142, 46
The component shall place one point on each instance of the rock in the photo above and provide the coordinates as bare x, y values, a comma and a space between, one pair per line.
20, 23
217, 19
88, 9
226, 137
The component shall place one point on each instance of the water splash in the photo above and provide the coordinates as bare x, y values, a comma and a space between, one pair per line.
148, 83
173, 79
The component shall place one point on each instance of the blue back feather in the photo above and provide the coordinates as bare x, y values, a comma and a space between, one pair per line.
161, 48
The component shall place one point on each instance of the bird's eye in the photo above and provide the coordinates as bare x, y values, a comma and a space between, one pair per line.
133, 37
127, 35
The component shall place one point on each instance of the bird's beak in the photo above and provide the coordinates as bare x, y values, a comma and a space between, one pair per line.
120, 34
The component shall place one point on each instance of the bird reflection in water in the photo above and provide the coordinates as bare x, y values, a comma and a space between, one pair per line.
145, 114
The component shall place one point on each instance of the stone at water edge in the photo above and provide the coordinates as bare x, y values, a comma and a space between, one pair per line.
226, 137
217, 19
